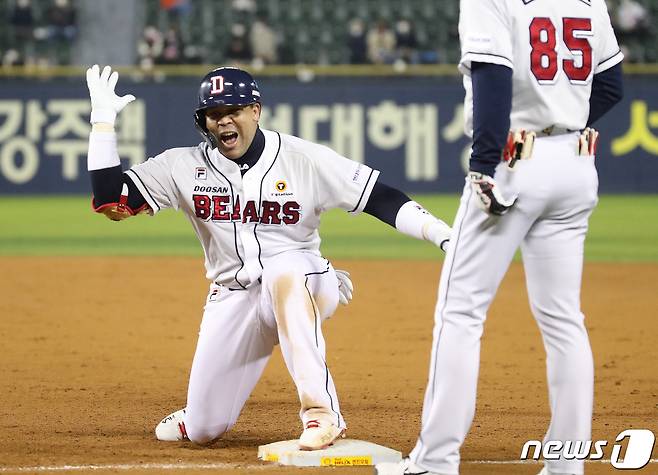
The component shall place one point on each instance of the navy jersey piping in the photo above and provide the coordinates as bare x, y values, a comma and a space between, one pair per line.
235, 232
488, 54
145, 188
609, 58
358, 203
315, 315
260, 198
452, 266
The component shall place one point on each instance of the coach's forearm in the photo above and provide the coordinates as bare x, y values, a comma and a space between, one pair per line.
492, 105
607, 90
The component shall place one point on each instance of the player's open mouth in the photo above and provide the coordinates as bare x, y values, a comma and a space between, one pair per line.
228, 138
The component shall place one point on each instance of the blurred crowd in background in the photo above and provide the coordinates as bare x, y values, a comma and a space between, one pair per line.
261, 32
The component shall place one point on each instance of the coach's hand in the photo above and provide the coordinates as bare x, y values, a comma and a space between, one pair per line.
105, 104
489, 196
345, 286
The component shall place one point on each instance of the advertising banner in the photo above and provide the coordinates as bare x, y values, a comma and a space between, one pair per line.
411, 129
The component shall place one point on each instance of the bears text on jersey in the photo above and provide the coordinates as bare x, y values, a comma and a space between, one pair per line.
220, 208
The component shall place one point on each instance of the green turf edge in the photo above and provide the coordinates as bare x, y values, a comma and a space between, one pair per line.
623, 228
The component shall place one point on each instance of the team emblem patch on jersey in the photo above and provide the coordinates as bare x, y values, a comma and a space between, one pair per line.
200, 173
281, 186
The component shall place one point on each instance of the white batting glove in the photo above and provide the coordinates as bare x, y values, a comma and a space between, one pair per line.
345, 286
105, 104
490, 199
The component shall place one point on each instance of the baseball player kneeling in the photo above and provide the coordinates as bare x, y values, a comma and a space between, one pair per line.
254, 198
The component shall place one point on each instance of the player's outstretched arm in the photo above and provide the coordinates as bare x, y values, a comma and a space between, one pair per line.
395, 208
115, 196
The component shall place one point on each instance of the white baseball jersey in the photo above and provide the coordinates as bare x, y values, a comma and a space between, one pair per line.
243, 220
535, 36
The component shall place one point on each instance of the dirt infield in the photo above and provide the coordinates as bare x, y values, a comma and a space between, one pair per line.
97, 350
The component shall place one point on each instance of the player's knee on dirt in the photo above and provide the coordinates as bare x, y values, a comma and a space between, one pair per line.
205, 435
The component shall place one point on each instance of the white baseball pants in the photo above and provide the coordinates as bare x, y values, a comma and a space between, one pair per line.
557, 191
238, 333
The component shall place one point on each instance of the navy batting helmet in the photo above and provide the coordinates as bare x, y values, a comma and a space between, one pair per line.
224, 86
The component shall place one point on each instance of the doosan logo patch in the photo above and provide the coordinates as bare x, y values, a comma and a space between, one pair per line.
200, 173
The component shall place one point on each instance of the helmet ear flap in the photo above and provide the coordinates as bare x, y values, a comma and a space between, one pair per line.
200, 124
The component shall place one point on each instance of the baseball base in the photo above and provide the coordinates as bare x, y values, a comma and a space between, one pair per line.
344, 453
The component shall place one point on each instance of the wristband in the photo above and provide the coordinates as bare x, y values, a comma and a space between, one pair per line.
102, 152
415, 221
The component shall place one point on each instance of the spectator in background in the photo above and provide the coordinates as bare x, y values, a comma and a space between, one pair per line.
380, 42
238, 49
22, 34
59, 31
61, 21
150, 47
356, 41
406, 42
263, 41
172, 47
12, 58
178, 14
243, 10
176, 9
247, 6
632, 24
632, 17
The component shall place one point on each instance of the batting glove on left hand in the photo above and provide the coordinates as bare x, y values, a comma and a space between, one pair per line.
105, 104
345, 286
489, 197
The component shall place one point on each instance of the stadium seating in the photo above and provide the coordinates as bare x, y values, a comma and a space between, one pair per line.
309, 31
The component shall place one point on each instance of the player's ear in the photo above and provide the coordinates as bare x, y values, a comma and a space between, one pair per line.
256, 108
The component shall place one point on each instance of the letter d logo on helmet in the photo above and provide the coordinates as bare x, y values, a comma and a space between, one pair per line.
217, 84
224, 86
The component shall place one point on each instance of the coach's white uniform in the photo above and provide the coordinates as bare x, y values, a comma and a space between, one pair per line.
553, 48
270, 284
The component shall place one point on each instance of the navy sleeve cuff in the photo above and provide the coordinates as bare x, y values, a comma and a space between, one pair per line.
106, 185
385, 202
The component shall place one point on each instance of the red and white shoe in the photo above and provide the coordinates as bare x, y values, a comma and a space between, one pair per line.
172, 427
319, 435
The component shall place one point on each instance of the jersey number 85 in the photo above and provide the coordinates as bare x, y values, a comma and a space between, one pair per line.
543, 57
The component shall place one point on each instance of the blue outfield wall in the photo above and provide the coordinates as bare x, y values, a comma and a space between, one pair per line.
409, 128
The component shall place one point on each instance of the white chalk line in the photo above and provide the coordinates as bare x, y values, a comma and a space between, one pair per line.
136, 466
216, 466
